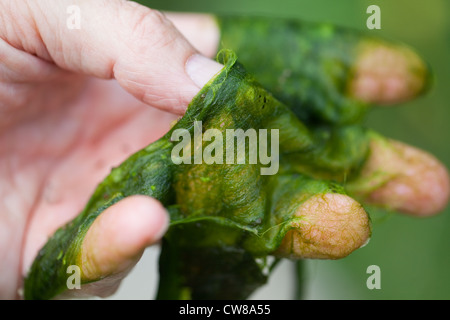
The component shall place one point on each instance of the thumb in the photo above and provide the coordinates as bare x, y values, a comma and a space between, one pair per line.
115, 242
137, 46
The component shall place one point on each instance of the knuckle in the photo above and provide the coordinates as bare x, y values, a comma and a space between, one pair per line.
149, 23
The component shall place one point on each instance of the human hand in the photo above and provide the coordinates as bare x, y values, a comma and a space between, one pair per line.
203, 34
74, 103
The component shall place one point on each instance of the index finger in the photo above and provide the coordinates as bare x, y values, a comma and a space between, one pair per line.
323, 72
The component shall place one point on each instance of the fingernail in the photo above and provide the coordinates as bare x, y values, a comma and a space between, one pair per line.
201, 69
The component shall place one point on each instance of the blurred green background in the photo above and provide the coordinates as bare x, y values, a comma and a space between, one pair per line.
413, 254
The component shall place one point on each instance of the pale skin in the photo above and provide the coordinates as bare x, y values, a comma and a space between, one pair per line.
75, 103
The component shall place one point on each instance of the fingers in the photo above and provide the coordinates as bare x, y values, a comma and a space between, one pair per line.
146, 53
329, 226
136, 45
386, 73
381, 72
402, 178
116, 240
